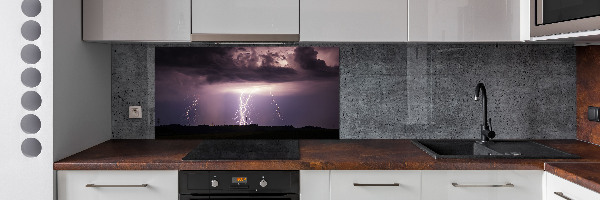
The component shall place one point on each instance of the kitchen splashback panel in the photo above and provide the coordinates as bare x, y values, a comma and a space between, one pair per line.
247, 92
393, 91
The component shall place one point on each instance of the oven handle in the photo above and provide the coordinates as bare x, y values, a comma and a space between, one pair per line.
539, 12
191, 197
249, 197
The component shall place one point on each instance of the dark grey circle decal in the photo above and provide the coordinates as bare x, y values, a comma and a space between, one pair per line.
31, 54
31, 147
31, 100
31, 124
31, 30
31, 8
31, 77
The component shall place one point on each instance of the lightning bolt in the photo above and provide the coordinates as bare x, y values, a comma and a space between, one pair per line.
277, 109
243, 112
191, 110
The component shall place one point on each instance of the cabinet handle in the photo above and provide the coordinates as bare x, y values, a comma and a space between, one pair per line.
94, 185
560, 194
361, 184
505, 185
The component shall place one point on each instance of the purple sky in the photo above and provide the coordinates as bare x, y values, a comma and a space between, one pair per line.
268, 86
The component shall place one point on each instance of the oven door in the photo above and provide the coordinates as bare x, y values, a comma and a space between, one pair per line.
555, 11
552, 17
237, 197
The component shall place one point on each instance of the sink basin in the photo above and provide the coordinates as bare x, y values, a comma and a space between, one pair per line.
495, 149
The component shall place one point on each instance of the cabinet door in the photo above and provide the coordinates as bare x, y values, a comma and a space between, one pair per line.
482, 185
245, 17
561, 189
117, 185
468, 20
136, 20
379, 185
314, 184
354, 20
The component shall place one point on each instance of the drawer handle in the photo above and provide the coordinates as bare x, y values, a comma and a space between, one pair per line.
94, 185
505, 185
377, 185
560, 194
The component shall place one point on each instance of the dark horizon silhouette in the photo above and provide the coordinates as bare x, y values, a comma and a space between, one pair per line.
250, 131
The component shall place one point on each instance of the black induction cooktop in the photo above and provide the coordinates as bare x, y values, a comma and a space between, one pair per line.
245, 150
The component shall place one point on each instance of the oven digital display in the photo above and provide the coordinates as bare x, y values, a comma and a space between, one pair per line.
239, 180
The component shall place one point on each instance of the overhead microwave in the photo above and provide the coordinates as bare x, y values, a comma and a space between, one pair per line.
564, 17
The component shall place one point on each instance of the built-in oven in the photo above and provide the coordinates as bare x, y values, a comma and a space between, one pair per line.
234, 185
553, 17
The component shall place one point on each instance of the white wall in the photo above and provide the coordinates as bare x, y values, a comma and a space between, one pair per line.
75, 93
82, 84
24, 177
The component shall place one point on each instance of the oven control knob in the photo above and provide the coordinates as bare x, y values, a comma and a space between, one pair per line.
263, 183
214, 183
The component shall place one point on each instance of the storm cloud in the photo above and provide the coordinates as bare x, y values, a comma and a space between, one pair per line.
306, 57
242, 64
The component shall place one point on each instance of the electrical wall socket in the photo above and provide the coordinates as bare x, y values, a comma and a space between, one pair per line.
135, 112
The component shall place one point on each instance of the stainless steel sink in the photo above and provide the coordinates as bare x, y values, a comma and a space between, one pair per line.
493, 149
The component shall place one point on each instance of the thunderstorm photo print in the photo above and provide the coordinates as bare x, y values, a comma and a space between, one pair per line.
247, 92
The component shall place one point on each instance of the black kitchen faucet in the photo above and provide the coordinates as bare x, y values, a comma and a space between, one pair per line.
486, 129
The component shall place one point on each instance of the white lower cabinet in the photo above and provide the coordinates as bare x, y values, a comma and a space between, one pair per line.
375, 185
482, 184
340, 185
314, 184
561, 189
117, 185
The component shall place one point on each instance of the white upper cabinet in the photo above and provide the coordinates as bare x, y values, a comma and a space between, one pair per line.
245, 20
136, 20
307, 20
468, 20
354, 20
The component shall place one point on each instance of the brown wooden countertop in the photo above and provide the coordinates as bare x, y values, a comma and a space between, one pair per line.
314, 155
581, 173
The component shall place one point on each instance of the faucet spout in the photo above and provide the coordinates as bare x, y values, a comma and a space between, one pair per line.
486, 133
481, 88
